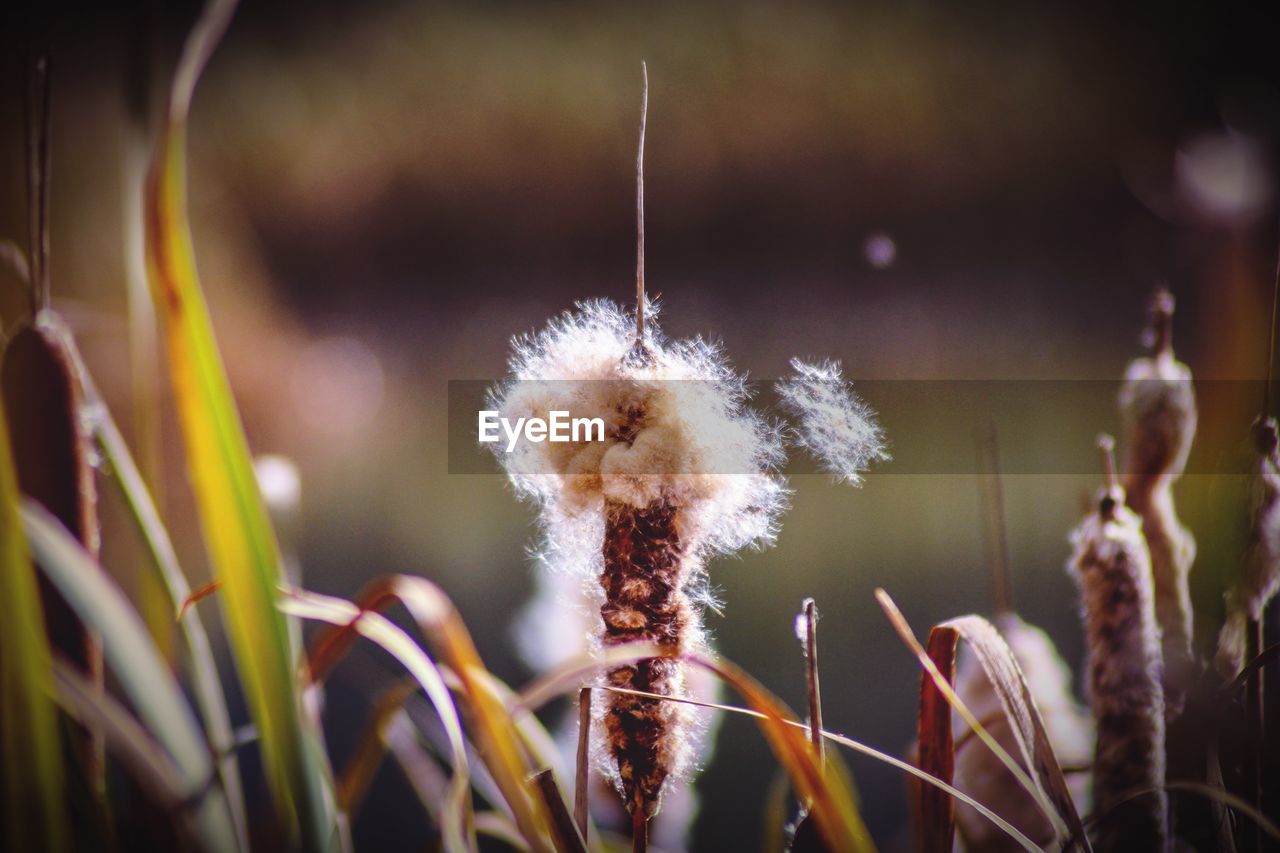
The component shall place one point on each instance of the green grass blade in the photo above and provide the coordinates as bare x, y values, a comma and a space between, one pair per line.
203, 669
147, 762
237, 532
132, 656
31, 778
457, 823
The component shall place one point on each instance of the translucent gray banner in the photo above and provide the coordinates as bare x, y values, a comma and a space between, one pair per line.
931, 426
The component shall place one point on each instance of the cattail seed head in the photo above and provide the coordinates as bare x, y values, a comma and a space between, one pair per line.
1158, 407
979, 773
1259, 579
1112, 567
685, 471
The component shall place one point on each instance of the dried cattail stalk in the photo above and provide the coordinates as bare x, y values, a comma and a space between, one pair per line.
1258, 582
1158, 406
1112, 566
977, 770
51, 448
53, 454
684, 472
562, 623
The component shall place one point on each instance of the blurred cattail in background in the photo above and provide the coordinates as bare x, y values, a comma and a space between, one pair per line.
1259, 580
979, 773
1158, 407
1112, 566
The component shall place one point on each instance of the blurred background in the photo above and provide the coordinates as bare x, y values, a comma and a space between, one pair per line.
384, 193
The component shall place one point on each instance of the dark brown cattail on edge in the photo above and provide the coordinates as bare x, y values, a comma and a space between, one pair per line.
1158, 405
1259, 579
1112, 566
43, 402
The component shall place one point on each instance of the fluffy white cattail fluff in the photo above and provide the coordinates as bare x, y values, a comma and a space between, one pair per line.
1113, 569
834, 425
977, 770
685, 471
1158, 406
1259, 581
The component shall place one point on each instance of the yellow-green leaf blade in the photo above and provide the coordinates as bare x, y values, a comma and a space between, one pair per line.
237, 532
31, 779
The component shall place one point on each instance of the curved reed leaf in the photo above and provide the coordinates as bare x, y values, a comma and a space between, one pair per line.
203, 669
1049, 787
31, 776
457, 823
824, 788
147, 762
569, 676
138, 667
1025, 722
493, 730
237, 532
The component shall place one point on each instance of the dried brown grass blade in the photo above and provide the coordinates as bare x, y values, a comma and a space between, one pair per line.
43, 400
825, 790
492, 728
567, 836
1048, 786
582, 764
353, 782
568, 676
937, 748
1262, 659
812, 683
127, 739
457, 821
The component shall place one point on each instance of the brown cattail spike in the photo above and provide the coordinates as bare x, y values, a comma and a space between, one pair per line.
1112, 566
644, 575
1158, 407
1259, 579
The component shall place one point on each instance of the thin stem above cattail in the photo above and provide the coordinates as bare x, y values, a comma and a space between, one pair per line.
809, 637
39, 120
997, 535
640, 294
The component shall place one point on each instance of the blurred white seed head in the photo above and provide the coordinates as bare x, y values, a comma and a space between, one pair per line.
1259, 580
977, 770
834, 425
1158, 405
